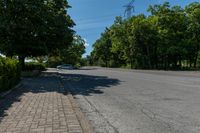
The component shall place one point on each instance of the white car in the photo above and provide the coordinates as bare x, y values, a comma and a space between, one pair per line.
65, 66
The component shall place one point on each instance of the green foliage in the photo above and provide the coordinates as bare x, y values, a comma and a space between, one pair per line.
34, 66
102, 48
9, 73
31, 28
77, 65
73, 53
54, 61
169, 38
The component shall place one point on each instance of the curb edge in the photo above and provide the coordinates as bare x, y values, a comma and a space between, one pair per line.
84, 122
4, 94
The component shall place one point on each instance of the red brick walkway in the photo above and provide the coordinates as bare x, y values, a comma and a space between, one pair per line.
39, 106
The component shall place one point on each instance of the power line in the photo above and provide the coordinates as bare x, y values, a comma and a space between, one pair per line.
129, 9
97, 17
90, 28
93, 21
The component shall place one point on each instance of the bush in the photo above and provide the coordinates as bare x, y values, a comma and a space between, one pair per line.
10, 73
77, 65
34, 66
54, 61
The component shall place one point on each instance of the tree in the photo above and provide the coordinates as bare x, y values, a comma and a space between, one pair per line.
73, 53
166, 39
193, 33
102, 48
172, 25
119, 40
34, 28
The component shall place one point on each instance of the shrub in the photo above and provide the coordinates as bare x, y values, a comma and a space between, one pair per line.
10, 73
54, 61
34, 66
77, 65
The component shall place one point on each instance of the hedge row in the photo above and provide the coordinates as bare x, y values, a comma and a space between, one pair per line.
9, 73
34, 66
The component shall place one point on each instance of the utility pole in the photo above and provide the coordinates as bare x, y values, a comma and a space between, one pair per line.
129, 9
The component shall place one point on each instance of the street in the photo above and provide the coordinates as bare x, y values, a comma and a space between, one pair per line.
131, 101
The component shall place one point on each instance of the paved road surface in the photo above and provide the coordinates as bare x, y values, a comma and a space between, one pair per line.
125, 101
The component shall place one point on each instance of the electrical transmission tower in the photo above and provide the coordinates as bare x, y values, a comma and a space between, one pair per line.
129, 9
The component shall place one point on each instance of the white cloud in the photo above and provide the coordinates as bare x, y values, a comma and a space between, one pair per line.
75, 37
1, 55
85, 40
86, 43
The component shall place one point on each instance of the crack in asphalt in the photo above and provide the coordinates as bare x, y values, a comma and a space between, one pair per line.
154, 117
100, 114
71, 87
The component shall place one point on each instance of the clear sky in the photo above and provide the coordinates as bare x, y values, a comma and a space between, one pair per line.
93, 16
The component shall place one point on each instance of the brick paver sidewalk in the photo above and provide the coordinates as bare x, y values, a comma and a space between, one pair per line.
40, 106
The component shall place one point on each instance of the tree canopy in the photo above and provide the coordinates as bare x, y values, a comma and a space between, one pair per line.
34, 27
166, 39
69, 55
73, 54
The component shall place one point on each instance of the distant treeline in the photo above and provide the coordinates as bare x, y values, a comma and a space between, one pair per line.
169, 38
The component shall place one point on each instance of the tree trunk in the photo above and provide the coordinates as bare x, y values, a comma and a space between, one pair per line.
9, 56
165, 63
22, 62
131, 62
180, 63
195, 61
106, 63
190, 63
149, 58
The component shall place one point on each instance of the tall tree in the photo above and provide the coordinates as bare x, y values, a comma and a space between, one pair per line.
102, 48
119, 41
172, 25
73, 53
166, 39
34, 28
193, 33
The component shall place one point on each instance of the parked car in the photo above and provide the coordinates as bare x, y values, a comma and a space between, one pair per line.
65, 66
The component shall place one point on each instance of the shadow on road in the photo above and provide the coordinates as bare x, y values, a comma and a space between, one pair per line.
87, 68
73, 83
78, 84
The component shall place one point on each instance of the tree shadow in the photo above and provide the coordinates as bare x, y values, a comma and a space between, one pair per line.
29, 86
87, 68
73, 83
79, 84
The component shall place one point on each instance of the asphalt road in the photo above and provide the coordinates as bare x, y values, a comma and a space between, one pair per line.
126, 101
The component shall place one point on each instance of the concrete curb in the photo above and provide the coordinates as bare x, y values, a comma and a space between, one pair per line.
85, 124
4, 94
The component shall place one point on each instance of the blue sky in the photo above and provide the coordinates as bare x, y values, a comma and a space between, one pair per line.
93, 16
